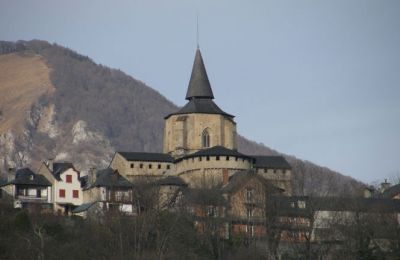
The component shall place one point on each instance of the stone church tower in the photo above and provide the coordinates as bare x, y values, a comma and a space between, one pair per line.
200, 123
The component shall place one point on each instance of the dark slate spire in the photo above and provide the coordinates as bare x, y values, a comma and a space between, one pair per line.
199, 85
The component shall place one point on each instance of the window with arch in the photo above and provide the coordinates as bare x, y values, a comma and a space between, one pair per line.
205, 138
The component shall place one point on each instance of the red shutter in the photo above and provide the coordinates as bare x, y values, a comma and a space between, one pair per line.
62, 193
75, 194
69, 178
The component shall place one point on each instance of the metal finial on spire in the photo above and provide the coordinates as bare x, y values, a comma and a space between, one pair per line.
197, 39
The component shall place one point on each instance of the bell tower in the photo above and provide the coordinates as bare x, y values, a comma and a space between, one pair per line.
199, 124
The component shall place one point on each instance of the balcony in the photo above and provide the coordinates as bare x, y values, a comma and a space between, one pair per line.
25, 198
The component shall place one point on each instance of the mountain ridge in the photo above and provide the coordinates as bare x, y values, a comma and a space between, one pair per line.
96, 110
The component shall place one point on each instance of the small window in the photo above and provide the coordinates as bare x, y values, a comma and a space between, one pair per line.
301, 204
168, 167
205, 138
274, 170
141, 166
249, 195
249, 213
227, 158
265, 170
236, 158
250, 230
159, 166
284, 171
68, 178
193, 159
61, 193
150, 166
217, 158
132, 165
200, 159
38, 193
32, 177
75, 194
208, 158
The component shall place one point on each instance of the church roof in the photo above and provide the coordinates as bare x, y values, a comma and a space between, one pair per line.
216, 151
200, 106
199, 85
275, 162
146, 157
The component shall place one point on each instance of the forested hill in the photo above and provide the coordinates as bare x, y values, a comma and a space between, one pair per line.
56, 103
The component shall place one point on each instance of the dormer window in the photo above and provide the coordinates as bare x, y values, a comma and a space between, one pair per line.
205, 138
31, 177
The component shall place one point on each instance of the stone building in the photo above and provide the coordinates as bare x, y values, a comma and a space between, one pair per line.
200, 143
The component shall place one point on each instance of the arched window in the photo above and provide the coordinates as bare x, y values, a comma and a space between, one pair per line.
205, 138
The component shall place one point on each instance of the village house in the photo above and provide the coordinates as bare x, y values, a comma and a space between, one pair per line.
66, 193
28, 190
105, 190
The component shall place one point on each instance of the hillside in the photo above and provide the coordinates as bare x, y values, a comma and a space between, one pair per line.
58, 104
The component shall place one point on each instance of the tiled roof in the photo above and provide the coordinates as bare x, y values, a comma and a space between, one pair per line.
200, 106
276, 162
109, 177
199, 85
26, 176
217, 151
146, 157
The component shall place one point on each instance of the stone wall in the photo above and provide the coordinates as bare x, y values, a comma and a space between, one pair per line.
183, 133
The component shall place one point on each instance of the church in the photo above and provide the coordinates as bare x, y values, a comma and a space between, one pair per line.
200, 145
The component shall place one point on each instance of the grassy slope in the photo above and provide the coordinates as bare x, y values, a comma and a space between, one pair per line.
23, 79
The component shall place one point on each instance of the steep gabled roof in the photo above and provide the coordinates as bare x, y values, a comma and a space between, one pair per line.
146, 157
60, 167
275, 162
200, 106
199, 85
26, 176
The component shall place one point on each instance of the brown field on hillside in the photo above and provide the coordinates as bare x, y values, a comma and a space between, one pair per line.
23, 79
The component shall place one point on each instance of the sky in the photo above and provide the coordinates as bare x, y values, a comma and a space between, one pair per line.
319, 80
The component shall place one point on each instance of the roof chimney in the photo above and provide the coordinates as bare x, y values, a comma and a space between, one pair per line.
49, 163
225, 176
11, 174
92, 175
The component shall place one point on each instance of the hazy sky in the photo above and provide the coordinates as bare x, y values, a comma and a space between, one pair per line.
316, 79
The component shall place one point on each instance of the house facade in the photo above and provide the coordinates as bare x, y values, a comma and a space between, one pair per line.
27, 189
66, 193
